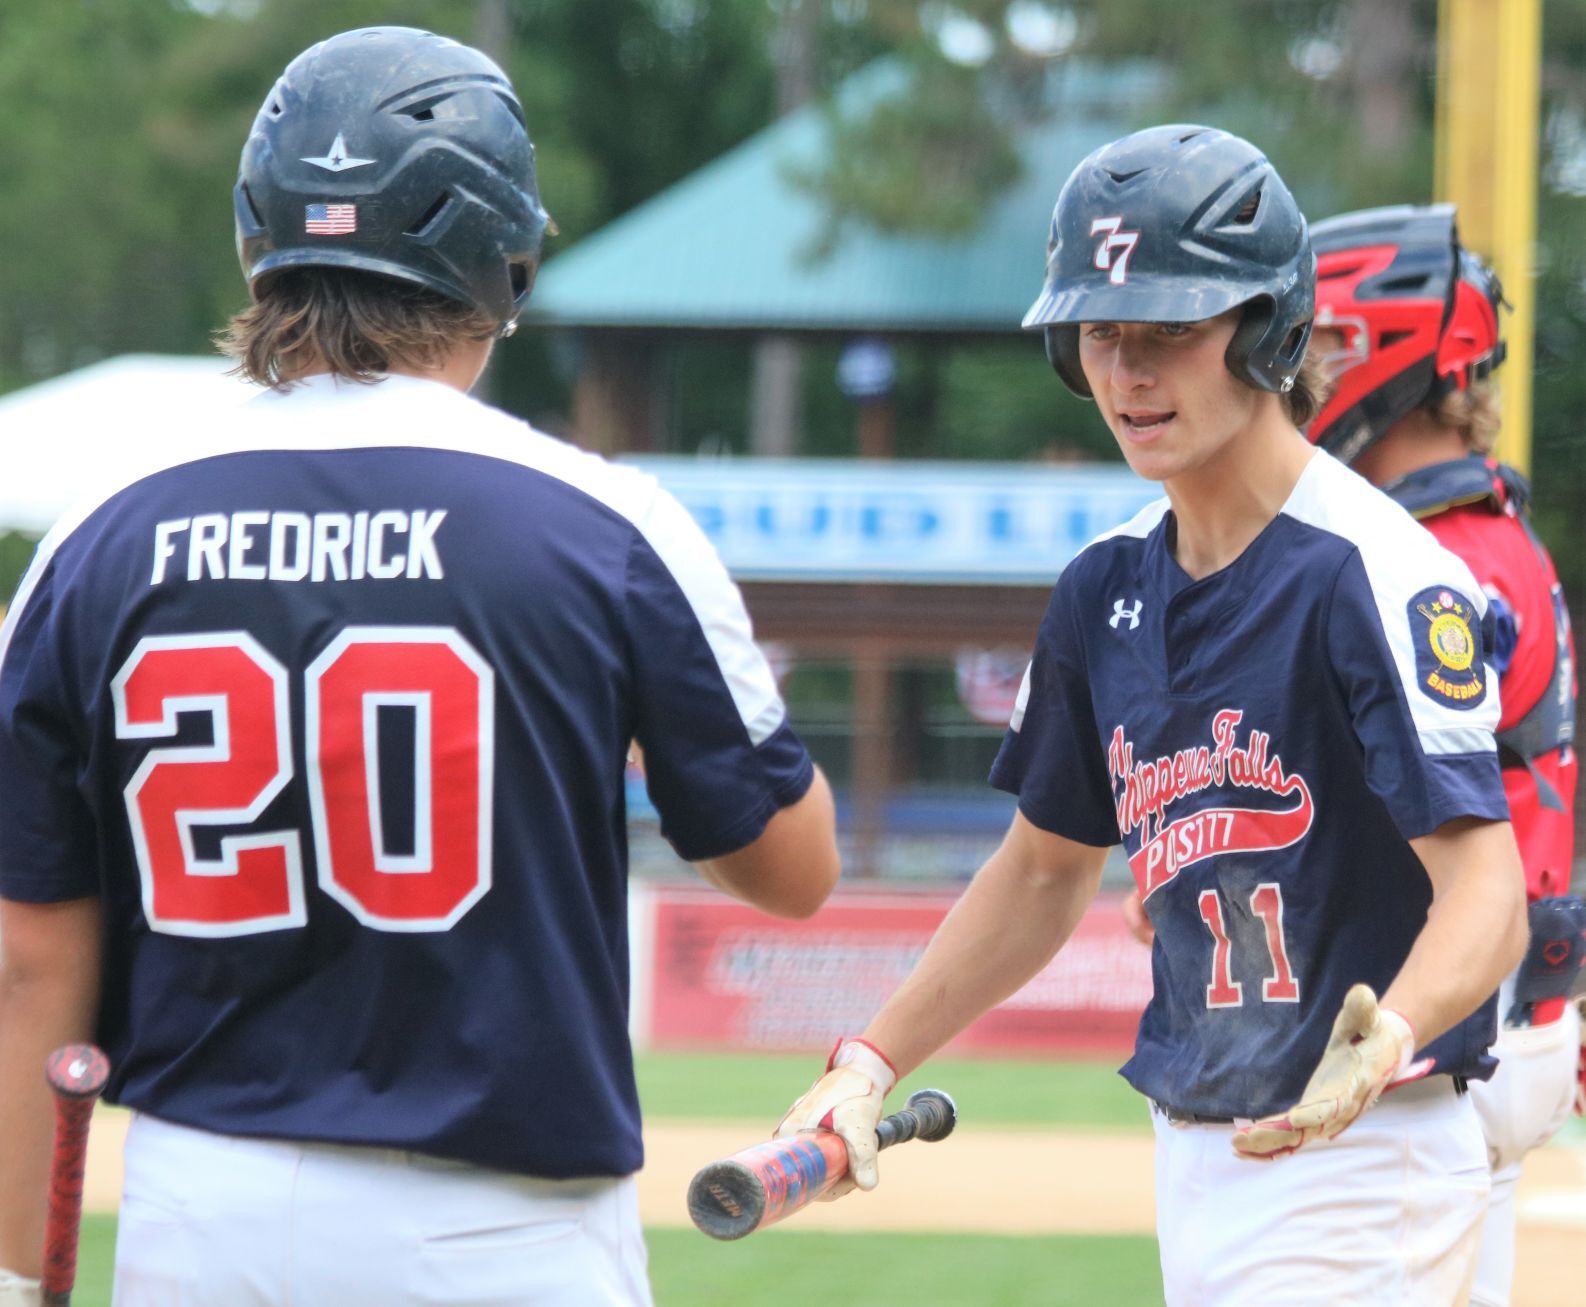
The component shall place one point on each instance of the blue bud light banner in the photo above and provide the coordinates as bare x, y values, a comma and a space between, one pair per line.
931, 523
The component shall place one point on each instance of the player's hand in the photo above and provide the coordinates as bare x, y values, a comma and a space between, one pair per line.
1134, 917
1369, 1049
19, 1291
846, 1099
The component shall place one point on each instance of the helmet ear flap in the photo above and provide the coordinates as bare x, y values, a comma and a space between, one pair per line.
1285, 356
1253, 325
1062, 352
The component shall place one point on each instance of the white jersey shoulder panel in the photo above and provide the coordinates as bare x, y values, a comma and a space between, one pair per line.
1139, 526
324, 414
1401, 558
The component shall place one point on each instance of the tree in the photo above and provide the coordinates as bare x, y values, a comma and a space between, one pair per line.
125, 119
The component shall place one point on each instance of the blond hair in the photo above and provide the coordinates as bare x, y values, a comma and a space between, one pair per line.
1474, 412
356, 324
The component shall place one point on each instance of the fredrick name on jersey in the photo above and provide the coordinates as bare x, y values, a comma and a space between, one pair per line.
290, 546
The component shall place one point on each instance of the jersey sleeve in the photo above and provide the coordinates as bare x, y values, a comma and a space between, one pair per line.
1410, 653
47, 844
1051, 757
719, 756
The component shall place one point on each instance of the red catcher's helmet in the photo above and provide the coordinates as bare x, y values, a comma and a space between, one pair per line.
1418, 312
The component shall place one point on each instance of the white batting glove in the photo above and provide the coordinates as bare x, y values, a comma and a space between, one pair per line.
1370, 1048
847, 1099
19, 1291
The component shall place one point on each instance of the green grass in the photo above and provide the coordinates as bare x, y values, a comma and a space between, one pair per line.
904, 1270
96, 1258
876, 1270
755, 1087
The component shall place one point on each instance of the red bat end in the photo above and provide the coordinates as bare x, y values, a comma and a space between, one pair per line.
77, 1074
77, 1071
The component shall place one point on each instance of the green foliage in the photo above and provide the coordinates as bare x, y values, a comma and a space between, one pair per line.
924, 163
96, 182
623, 97
125, 119
16, 552
707, 386
1001, 400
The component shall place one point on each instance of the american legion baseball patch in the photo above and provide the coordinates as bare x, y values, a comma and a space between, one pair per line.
1446, 633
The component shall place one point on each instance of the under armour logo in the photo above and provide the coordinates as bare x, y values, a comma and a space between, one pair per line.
336, 159
1117, 269
1119, 612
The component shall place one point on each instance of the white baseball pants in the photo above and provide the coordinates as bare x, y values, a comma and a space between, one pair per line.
1523, 1106
216, 1221
1386, 1215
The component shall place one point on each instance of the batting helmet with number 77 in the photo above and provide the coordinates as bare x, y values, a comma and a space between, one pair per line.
1180, 224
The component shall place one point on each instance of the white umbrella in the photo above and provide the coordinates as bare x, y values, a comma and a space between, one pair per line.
58, 436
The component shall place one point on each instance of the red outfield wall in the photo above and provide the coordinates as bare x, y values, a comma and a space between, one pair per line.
722, 975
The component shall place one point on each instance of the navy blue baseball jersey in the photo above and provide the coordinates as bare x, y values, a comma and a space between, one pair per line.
335, 721
1265, 742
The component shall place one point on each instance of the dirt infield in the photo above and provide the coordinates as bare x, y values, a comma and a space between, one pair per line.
1009, 1181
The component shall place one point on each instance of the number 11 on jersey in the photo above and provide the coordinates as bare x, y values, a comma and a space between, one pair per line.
1266, 903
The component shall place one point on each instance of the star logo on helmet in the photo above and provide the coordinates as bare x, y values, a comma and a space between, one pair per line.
336, 159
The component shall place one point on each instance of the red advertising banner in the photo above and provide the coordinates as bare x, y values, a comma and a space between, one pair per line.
726, 976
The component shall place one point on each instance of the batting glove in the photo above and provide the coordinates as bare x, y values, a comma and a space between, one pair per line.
1370, 1048
847, 1099
19, 1291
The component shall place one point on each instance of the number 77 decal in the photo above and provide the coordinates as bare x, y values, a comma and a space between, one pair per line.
1266, 902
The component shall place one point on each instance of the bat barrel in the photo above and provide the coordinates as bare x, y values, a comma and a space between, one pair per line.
726, 1200
758, 1186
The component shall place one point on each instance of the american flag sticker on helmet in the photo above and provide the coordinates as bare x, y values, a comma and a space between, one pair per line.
330, 219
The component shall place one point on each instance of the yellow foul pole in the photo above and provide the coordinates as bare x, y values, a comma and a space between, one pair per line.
1488, 88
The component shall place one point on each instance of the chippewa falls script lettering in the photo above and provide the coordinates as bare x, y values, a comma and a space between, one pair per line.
1149, 789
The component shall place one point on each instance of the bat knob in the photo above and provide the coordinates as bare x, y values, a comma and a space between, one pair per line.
937, 1112
77, 1071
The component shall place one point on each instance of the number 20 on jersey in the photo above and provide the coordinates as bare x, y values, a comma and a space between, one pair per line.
256, 882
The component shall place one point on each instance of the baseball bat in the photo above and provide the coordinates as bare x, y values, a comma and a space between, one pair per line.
77, 1073
758, 1186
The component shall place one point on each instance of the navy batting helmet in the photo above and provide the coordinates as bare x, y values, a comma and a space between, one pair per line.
1180, 224
396, 152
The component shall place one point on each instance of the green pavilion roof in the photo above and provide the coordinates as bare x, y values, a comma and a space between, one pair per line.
728, 247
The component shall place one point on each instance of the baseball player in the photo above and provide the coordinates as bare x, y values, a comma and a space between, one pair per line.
1270, 686
1407, 326
313, 759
